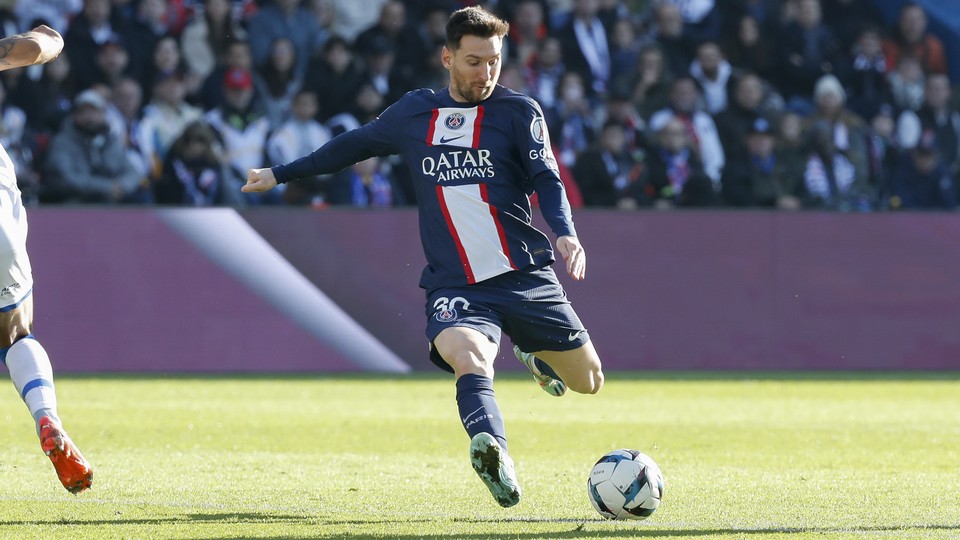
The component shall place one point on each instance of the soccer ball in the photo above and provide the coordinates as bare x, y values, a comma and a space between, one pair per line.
625, 484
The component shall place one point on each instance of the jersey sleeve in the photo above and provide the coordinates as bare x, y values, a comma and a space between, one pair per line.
541, 168
376, 138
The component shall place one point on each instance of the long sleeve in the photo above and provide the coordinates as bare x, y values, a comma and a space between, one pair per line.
373, 139
553, 203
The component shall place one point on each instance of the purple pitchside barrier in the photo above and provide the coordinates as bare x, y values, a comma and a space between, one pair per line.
118, 290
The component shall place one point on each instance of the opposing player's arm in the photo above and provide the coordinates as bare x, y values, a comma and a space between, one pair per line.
38, 46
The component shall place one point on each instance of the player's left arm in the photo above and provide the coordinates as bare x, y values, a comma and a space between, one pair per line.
541, 166
38, 46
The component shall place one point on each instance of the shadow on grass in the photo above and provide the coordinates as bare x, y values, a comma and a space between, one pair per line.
246, 517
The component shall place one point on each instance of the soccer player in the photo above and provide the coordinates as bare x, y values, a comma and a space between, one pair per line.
477, 151
23, 355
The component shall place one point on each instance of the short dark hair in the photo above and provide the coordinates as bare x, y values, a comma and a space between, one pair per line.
474, 21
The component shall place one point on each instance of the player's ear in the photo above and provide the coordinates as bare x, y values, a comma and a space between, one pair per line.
446, 57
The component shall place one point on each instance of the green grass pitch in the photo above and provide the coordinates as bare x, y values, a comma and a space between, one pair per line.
744, 456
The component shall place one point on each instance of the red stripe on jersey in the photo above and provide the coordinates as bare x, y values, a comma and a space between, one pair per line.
504, 247
476, 127
433, 126
456, 237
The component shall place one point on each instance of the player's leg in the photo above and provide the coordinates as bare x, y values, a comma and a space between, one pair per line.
32, 376
549, 336
470, 355
579, 368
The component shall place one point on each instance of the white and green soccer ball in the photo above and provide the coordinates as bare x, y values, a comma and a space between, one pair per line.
625, 484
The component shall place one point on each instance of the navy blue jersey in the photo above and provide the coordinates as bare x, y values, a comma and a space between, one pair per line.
474, 167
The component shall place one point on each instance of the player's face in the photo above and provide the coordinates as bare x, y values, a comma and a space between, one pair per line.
474, 68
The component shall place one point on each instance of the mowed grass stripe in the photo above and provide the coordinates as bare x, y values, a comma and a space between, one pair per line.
744, 456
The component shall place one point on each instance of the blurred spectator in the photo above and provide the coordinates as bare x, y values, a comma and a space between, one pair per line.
544, 72
113, 62
151, 24
674, 176
937, 118
210, 94
907, 82
606, 173
620, 109
86, 162
702, 133
572, 120
335, 77
912, 39
297, 137
883, 146
734, 123
586, 46
48, 102
208, 36
90, 29
848, 19
367, 104
56, 13
381, 71
13, 124
869, 88
528, 28
760, 177
650, 82
922, 180
394, 34
511, 76
194, 173
624, 47
167, 60
792, 145
242, 130
712, 71
283, 19
125, 116
837, 174
164, 118
278, 82
352, 17
677, 50
750, 49
808, 51
364, 185
702, 19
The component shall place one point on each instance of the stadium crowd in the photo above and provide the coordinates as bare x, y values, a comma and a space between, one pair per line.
650, 103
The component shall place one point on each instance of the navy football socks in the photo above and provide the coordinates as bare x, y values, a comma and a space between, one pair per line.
479, 411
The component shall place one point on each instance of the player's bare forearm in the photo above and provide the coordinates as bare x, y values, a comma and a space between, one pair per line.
38, 46
573, 255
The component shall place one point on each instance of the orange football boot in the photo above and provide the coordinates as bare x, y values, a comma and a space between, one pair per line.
74, 471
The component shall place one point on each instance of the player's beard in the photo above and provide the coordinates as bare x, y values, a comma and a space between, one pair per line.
472, 92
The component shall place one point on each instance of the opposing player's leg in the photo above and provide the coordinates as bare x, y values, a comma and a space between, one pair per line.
470, 354
32, 376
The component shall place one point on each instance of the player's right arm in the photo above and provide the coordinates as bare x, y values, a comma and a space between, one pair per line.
38, 46
376, 138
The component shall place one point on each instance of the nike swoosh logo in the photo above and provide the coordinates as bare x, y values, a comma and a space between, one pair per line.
444, 140
573, 335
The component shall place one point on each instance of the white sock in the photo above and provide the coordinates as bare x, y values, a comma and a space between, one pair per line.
32, 376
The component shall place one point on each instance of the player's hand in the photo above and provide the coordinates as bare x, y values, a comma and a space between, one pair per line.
574, 255
259, 180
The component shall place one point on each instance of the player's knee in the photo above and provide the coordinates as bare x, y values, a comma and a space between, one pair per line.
468, 361
590, 382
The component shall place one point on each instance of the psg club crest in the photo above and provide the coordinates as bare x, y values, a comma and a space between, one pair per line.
538, 130
454, 121
446, 315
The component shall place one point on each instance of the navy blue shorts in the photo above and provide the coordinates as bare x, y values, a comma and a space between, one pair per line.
530, 307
